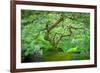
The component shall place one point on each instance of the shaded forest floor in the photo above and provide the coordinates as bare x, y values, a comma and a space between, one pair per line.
63, 56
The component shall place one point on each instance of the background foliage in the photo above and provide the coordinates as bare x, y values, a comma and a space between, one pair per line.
54, 36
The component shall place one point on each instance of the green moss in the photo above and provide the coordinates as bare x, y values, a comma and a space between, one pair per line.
57, 57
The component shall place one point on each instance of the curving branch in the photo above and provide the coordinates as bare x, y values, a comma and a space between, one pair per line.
54, 25
66, 35
49, 28
54, 40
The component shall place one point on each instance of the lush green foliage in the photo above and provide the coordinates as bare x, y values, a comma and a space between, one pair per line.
54, 36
